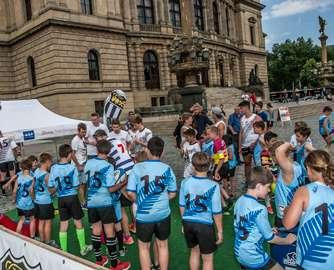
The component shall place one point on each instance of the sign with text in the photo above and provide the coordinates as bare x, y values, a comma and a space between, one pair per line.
284, 114
18, 252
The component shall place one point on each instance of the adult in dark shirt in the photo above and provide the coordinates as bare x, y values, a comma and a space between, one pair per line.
201, 120
234, 129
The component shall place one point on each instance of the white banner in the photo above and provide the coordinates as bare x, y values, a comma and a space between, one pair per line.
21, 253
284, 114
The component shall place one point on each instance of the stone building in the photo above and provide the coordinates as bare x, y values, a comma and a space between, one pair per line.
70, 53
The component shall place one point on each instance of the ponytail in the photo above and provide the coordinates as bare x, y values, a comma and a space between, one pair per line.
320, 161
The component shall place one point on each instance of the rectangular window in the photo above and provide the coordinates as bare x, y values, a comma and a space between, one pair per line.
252, 34
227, 21
86, 7
28, 9
154, 101
145, 11
175, 13
99, 106
199, 15
162, 101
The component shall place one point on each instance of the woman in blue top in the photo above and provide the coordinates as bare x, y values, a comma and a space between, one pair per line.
313, 208
325, 127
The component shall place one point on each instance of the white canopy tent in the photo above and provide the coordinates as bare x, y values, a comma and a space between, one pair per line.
29, 120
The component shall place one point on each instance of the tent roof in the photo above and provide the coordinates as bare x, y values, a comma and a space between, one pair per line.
25, 120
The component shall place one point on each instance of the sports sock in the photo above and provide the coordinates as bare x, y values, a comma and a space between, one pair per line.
119, 236
81, 238
96, 241
112, 249
63, 240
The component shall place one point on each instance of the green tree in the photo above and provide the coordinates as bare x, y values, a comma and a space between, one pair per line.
287, 60
308, 74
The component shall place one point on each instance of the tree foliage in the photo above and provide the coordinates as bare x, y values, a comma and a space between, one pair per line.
287, 60
308, 76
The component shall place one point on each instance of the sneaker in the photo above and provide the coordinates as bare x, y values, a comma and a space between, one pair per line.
132, 228
122, 252
53, 243
84, 206
86, 250
155, 267
103, 262
128, 240
226, 213
270, 210
121, 266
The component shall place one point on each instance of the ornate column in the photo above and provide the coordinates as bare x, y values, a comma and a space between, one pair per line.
156, 12
118, 8
161, 6
126, 10
132, 66
139, 67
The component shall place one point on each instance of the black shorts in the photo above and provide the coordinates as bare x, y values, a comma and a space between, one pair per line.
224, 170
125, 202
246, 151
104, 214
69, 207
7, 166
202, 235
44, 211
271, 263
26, 213
160, 229
231, 172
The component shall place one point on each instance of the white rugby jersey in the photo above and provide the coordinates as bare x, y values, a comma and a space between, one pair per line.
6, 149
120, 155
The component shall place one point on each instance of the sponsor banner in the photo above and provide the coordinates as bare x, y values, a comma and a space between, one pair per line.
284, 114
21, 253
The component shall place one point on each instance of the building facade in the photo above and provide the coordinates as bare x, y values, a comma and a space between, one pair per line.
70, 53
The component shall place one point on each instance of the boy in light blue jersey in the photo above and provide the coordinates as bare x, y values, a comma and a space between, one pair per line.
252, 227
43, 201
200, 206
325, 126
63, 180
313, 208
259, 129
22, 195
152, 184
100, 203
290, 178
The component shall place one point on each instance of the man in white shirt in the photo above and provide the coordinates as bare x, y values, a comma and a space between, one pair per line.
247, 136
118, 134
143, 135
7, 157
79, 157
92, 127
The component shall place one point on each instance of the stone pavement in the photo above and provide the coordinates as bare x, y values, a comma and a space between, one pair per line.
171, 155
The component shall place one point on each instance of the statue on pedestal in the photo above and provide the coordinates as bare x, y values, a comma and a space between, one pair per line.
322, 24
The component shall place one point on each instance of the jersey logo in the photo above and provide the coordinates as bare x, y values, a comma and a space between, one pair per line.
199, 204
150, 193
319, 232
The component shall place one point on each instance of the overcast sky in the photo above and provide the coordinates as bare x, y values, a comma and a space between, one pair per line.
289, 19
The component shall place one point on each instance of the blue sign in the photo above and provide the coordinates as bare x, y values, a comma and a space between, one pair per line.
28, 135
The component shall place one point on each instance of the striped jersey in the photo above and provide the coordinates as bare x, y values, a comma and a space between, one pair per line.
120, 155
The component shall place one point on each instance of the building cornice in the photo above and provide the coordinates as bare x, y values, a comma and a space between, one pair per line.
251, 3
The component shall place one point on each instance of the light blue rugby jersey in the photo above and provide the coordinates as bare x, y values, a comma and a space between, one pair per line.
252, 228
207, 147
64, 178
151, 180
284, 193
257, 153
100, 177
23, 198
201, 199
315, 241
322, 119
42, 194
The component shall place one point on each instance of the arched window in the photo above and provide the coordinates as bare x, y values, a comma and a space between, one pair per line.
145, 11
227, 14
28, 9
31, 72
86, 7
93, 65
175, 12
199, 15
151, 70
215, 16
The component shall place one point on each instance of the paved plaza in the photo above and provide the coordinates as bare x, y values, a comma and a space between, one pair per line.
171, 155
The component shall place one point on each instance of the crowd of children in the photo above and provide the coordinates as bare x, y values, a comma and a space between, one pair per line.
127, 172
